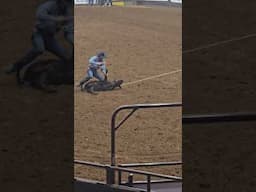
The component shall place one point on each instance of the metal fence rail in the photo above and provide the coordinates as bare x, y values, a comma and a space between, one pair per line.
219, 118
139, 172
139, 165
133, 108
150, 164
115, 125
186, 119
109, 171
91, 164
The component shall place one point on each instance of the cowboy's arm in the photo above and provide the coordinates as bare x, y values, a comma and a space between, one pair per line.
94, 63
103, 68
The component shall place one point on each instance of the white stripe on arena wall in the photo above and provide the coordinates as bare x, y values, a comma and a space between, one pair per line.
77, 2
176, 1
172, 1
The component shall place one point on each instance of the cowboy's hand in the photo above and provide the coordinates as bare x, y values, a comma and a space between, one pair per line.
100, 64
106, 77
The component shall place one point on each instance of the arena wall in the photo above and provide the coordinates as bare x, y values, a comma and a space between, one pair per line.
136, 2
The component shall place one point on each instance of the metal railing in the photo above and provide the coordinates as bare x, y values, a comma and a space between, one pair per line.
110, 169
219, 118
150, 164
115, 125
186, 119
134, 108
139, 165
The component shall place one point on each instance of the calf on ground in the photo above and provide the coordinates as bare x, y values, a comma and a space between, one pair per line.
95, 86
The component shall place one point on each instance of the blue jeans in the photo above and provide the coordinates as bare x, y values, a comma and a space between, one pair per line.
42, 42
94, 73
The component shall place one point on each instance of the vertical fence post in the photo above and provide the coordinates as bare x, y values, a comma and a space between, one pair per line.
119, 177
148, 183
130, 180
110, 175
113, 148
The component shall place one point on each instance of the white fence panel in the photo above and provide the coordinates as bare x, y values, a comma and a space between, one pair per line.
176, 1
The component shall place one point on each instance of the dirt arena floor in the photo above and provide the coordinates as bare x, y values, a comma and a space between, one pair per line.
140, 43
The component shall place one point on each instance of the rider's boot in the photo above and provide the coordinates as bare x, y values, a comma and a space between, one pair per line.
83, 81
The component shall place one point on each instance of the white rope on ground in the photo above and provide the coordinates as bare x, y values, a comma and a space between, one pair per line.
194, 50
152, 77
219, 43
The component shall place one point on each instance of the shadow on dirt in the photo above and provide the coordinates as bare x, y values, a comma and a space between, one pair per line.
46, 75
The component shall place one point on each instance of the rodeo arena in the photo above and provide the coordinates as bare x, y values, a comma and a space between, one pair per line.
116, 157
132, 147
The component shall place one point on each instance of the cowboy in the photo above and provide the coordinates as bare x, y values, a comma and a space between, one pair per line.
50, 17
96, 63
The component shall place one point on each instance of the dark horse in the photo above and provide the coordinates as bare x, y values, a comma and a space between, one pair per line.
43, 74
